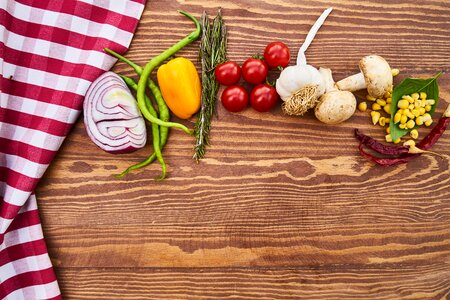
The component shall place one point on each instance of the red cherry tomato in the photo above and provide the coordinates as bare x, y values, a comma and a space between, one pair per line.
277, 54
263, 97
234, 98
228, 73
254, 71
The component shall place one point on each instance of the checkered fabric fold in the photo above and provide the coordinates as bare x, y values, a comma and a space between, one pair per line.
50, 52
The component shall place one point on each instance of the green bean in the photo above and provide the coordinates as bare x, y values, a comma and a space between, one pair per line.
156, 61
155, 133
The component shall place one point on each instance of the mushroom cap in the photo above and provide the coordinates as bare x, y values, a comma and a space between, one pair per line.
377, 73
335, 107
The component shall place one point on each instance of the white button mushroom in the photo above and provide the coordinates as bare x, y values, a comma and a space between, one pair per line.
375, 75
301, 85
334, 106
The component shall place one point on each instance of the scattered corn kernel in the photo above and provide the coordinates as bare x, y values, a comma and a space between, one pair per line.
382, 121
426, 117
415, 112
375, 117
397, 117
410, 124
410, 143
387, 108
422, 111
411, 106
403, 119
388, 94
419, 120
403, 104
388, 138
381, 102
395, 72
414, 134
362, 106
388, 130
409, 114
428, 108
423, 102
428, 123
417, 104
397, 141
423, 95
431, 102
389, 100
376, 106
402, 126
370, 98
408, 98
415, 96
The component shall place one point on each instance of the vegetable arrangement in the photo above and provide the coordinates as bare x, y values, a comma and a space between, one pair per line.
115, 119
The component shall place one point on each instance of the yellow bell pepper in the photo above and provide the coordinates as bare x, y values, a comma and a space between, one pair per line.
180, 86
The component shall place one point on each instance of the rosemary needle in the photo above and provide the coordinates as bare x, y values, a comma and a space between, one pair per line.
213, 48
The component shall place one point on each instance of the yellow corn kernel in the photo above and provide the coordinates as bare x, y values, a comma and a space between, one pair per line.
415, 96
388, 130
422, 111
423, 102
389, 100
410, 124
410, 143
403, 104
415, 112
395, 72
397, 141
408, 98
419, 120
376, 106
409, 114
375, 117
414, 134
381, 102
428, 108
431, 102
417, 104
388, 94
362, 106
370, 98
428, 123
387, 108
411, 106
403, 119
382, 121
388, 138
397, 117
402, 126
423, 95
426, 117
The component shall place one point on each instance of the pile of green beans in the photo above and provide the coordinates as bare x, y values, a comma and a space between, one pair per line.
160, 134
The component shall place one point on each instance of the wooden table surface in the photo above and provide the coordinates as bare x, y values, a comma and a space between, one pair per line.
282, 207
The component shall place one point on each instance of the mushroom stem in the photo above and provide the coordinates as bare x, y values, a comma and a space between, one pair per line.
327, 76
352, 83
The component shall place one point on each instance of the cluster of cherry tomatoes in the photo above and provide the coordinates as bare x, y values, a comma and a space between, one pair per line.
263, 96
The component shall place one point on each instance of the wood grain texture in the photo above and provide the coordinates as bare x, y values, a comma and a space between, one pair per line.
282, 207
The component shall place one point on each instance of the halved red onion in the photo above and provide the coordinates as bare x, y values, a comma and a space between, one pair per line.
112, 118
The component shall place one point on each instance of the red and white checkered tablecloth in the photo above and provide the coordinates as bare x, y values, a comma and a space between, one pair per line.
50, 52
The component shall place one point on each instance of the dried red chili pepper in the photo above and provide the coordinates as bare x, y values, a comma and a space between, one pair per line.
379, 147
403, 157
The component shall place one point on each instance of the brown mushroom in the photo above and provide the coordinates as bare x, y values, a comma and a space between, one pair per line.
375, 75
334, 106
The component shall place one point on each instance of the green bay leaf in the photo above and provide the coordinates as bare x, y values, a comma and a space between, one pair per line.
408, 87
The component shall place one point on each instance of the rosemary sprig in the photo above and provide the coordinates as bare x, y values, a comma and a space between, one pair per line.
213, 51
